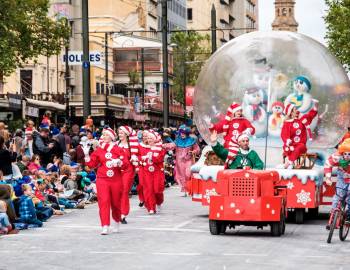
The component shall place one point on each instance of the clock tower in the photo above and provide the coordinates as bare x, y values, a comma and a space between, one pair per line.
284, 16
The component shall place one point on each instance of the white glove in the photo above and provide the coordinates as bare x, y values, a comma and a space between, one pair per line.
288, 142
291, 148
248, 131
134, 160
86, 150
117, 162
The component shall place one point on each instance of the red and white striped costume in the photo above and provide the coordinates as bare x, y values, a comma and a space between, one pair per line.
232, 127
294, 133
130, 151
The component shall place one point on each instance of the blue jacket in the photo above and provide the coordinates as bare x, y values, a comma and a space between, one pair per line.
26, 208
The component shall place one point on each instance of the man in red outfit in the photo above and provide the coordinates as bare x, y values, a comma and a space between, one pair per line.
294, 133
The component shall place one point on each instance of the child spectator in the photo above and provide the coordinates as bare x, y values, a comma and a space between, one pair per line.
34, 164
5, 225
26, 208
23, 163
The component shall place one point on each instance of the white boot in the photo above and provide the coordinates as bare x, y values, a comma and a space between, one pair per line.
116, 227
105, 230
151, 212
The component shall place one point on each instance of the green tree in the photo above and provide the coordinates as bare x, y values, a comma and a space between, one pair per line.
338, 29
190, 51
26, 32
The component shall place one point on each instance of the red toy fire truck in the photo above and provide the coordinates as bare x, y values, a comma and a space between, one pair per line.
248, 197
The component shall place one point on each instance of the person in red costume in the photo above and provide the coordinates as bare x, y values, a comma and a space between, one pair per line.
128, 143
232, 126
294, 134
108, 160
151, 158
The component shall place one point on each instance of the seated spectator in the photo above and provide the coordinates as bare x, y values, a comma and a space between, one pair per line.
71, 191
27, 210
246, 158
6, 196
48, 200
23, 163
5, 225
34, 165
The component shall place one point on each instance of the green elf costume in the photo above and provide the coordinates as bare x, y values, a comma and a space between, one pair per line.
245, 158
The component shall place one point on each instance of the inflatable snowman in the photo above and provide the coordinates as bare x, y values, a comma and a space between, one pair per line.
276, 119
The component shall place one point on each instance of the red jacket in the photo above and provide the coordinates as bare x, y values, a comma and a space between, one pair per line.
235, 128
102, 159
294, 130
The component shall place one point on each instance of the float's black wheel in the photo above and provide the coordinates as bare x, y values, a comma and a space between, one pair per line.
214, 227
313, 212
299, 215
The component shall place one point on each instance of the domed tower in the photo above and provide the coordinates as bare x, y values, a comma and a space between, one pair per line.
284, 16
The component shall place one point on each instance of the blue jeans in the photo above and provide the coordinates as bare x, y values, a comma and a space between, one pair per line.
4, 220
34, 221
342, 192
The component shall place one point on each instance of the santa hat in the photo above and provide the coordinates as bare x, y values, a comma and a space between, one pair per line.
126, 129
288, 109
28, 131
153, 134
110, 132
278, 104
242, 137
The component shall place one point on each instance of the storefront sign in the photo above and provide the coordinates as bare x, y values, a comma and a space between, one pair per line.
32, 111
15, 101
75, 58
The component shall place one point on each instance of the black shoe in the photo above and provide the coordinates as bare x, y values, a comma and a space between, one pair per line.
124, 221
141, 204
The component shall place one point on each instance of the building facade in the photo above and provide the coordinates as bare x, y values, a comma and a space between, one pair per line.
237, 16
284, 16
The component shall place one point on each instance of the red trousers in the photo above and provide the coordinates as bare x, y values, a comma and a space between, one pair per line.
128, 180
153, 188
109, 193
140, 185
299, 149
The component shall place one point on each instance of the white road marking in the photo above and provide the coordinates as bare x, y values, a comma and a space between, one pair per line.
51, 251
176, 254
111, 252
245, 254
183, 224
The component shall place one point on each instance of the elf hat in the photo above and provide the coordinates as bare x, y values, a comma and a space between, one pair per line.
110, 132
126, 129
278, 104
234, 107
344, 146
288, 109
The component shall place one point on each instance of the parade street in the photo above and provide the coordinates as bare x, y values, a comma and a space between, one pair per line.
177, 238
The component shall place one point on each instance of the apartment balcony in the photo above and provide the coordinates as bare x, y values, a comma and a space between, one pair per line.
125, 67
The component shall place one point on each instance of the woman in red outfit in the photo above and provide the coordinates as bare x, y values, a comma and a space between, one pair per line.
294, 133
128, 144
142, 148
108, 160
152, 160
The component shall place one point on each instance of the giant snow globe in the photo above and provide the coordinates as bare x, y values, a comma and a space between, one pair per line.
264, 71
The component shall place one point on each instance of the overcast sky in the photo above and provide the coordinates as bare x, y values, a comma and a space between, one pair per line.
308, 14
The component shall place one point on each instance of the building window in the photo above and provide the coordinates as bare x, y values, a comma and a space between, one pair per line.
26, 78
98, 88
102, 88
189, 14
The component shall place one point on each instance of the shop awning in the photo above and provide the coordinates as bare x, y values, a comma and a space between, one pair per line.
46, 104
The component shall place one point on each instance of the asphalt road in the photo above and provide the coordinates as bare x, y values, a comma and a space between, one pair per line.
176, 238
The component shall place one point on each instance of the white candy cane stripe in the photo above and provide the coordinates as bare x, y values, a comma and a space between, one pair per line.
134, 150
87, 159
133, 143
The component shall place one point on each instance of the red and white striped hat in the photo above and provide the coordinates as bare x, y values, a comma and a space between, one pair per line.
28, 131
110, 132
288, 109
126, 129
234, 107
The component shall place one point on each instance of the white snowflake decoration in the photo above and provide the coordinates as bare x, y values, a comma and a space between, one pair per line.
290, 185
208, 193
303, 197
